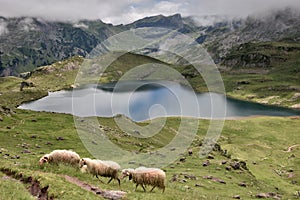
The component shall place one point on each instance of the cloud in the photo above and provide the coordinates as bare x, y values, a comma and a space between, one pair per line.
126, 11
80, 25
27, 24
3, 27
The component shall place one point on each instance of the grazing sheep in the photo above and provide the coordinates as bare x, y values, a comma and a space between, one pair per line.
103, 168
146, 176
61, 156
84, 169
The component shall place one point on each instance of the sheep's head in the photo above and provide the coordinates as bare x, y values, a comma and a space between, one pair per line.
44, 159
127, 172
82, 162
83, 169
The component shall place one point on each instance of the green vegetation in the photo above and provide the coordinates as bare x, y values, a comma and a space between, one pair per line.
260, 142
258, 148
264, 72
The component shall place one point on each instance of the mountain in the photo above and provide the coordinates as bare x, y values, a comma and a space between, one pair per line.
30, 42
277, 26
26, 43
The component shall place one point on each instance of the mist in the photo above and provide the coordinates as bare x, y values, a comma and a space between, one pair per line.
127, 11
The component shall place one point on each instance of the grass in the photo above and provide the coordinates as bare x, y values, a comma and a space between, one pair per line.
260, 142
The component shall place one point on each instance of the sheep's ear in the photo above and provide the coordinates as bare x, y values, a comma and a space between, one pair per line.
46, 158
130, 176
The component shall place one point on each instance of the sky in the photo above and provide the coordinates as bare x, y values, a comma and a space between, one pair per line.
127, 11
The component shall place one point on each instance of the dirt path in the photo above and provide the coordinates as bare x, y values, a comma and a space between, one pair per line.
291, 147
107, 194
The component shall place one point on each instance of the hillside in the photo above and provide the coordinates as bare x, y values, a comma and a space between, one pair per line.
254, 158
37, 42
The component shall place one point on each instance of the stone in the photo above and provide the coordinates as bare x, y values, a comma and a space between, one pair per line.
223, 162
206, 163
242, 184
60, 138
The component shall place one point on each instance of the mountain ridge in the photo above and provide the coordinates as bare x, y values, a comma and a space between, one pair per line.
26, 43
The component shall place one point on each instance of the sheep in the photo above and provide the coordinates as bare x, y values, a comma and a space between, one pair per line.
146, 176
104, 168
61, 156
84, 169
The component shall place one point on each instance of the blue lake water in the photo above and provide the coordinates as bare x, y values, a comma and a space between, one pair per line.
140, 100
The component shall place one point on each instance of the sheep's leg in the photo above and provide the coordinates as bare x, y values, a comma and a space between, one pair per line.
136, 186
99, 179
109, 180
152, 188
119, 181
144, 188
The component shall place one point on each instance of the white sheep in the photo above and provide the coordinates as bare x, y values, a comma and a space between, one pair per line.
61, 156
104, 168
146, 176
84, 169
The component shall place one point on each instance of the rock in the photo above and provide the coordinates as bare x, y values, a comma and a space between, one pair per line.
218, 180
192, 177
238, 165
210, 157
182, 159
268, 195
261, 195
198, 185
291, 156
296, 106
295, 97
15, 157
207, 177
214, 179
236, 197
187, 187
183, 181
190, 152
49, 143
1, 119
243, 82
60, 138
26, 151
228, 168
206, 163
242, 184
33, 120
33, 136
174, 178
173, 149
223, 162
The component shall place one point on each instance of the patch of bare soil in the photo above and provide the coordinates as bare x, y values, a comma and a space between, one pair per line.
292, 147
107, 194
35, 188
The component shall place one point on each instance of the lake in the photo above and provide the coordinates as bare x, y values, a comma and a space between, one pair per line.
143, 100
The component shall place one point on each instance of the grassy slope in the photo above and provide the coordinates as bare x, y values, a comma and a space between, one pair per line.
258, 140
274, 84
